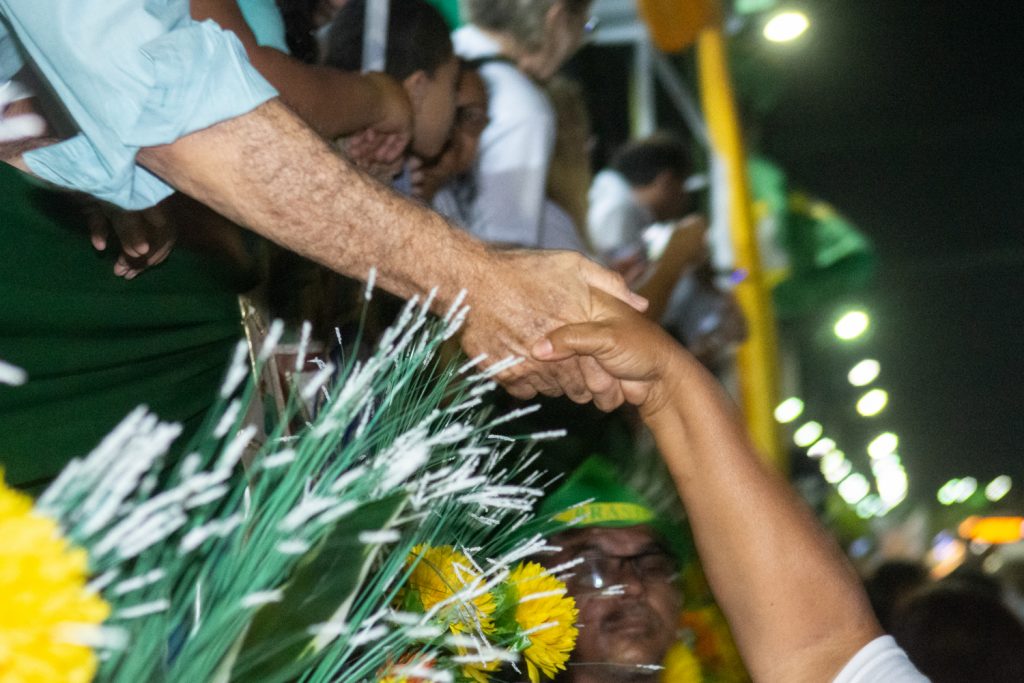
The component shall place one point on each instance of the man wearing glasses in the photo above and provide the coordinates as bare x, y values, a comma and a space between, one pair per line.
623, 575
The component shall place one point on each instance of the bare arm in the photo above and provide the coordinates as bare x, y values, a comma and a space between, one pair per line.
270, 173
795, 605
331, 101
684, 249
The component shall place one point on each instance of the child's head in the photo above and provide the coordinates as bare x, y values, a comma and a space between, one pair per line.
419, 54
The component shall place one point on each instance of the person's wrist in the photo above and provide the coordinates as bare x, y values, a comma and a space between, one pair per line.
660, 406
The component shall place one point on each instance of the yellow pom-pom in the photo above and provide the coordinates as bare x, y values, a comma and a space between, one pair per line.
42, 598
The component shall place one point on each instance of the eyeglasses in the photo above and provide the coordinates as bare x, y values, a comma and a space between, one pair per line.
598, 572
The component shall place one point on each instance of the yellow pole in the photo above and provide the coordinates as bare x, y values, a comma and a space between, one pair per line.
758, 369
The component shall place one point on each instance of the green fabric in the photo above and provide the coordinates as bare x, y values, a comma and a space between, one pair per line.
824, 256
95, 345
449, 9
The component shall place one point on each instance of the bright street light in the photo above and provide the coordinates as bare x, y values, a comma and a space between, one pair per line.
998, 487
864, 372
873, 402
789, 410
854, 488
852, 325
786, 26
807, 433
821, 448
883, 445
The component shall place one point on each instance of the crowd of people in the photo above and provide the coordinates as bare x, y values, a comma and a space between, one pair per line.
162, 161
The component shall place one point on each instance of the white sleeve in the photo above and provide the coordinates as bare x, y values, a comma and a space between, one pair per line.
512, 167
880, 660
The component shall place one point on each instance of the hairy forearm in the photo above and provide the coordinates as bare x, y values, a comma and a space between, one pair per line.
795, 605
270, 173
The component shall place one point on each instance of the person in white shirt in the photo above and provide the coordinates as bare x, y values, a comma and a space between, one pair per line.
517, 43
643, 185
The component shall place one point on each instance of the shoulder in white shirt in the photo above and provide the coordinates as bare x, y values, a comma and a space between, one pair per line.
515, 148
880, 660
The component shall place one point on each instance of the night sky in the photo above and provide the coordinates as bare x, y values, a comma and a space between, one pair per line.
908, 117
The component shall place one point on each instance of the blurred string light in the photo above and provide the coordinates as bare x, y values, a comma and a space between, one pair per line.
864, 372
835, 470
786, 26
854, 488
852, 325
957, 490
890, 480
870, 506
821, 447
873, 402
998, 488
883, 444
947, 492
807, 433
789, 410
965, 489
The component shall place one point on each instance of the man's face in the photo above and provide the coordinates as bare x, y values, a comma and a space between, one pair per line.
628, 600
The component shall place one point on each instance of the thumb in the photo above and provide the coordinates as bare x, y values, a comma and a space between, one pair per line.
582, 339
612, 283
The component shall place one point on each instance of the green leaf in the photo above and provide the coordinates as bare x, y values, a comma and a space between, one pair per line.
321, 589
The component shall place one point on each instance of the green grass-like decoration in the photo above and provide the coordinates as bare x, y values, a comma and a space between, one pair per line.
288, 571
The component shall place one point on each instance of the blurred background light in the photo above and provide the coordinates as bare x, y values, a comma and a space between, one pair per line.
873, 402
883, 444
789, 410
965, 488
807, 434
786, 26
838, 471
948, 492
870, 506
998, 488
821, 447
864, 372
854, 488
852, 325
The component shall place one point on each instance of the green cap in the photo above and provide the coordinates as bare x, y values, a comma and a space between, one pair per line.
594, 496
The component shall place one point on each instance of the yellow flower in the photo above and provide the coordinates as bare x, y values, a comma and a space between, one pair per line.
547, 616
681, 666
442, 572
42, 593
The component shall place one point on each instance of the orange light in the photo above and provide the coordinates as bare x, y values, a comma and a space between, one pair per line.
993, 529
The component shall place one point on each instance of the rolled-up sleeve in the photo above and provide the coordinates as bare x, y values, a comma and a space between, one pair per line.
131, 74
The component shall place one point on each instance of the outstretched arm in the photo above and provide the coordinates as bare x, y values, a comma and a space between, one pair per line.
795, 605
270, 173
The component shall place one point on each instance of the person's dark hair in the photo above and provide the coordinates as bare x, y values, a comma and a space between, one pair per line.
890, 584
418, 38
641, 161
955, 635
299, 28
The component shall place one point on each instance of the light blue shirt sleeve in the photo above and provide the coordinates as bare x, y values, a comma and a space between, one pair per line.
131, 74
266, 23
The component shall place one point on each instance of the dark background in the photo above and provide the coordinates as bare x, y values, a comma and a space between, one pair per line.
908, 117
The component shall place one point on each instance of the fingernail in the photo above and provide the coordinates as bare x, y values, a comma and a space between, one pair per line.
543, 348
